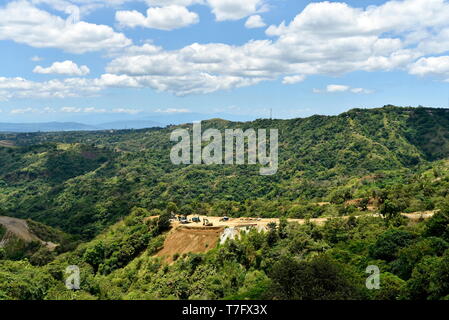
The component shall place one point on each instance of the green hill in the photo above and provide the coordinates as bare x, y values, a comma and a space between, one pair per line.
104, 189
82, 182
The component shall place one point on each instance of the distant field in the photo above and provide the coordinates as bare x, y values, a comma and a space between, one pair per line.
6, 143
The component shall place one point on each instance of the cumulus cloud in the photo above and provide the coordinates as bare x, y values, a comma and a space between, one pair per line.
71, 87
255, 21
163, 3
223, 9
293, 79
197, 68
22, 22
163, 18
235, 9
64, 68
431, 66
326, 38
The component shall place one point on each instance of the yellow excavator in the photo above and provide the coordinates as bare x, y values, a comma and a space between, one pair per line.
206, 223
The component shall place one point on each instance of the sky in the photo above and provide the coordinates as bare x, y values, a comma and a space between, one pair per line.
86, 59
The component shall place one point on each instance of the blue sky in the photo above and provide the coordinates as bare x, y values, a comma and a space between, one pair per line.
64, 60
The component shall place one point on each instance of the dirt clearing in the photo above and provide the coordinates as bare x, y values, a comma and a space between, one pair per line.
185, 239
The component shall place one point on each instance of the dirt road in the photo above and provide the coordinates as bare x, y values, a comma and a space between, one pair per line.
258, 222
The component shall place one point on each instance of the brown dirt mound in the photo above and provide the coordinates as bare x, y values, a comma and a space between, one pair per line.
186, 239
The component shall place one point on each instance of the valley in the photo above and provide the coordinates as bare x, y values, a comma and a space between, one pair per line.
367, 187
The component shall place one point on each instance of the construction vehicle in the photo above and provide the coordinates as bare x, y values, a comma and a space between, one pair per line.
224, 219
184, 220
206, 223
196, 219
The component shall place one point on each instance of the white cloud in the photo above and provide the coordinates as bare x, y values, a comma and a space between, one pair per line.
126, 110
73, 87
22, 110
163, 18
23, 23
223, 9
361, 90
98, 110
65, 68
235, 9
71, 109
88, 110
147, 48
326, 38
118, 81
195, 69
336, 88
173, 110
293, 79
16, 88
255, 22
94, 110
163, 3
432, 66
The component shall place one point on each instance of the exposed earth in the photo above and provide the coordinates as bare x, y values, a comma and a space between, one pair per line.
19, 228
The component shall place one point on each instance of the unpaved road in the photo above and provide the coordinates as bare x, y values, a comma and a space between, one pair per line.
241, 222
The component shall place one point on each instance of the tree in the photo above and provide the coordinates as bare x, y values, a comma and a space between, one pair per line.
320, 279
95, 255
172, 208
283, 224
272, 236
339, 196
41, 257
363, 204
388, 244
390, 209
391, 287
438, 225
163, 222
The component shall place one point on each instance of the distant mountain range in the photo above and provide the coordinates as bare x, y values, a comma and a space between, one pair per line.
108, 123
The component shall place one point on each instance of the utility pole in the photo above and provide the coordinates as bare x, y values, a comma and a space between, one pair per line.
271, 113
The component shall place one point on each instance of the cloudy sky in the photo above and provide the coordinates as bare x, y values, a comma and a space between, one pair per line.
61, 58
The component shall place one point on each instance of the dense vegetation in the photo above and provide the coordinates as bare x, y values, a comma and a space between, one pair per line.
290, 261
99, 186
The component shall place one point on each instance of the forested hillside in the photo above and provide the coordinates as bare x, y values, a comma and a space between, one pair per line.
100, 188
82, 182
